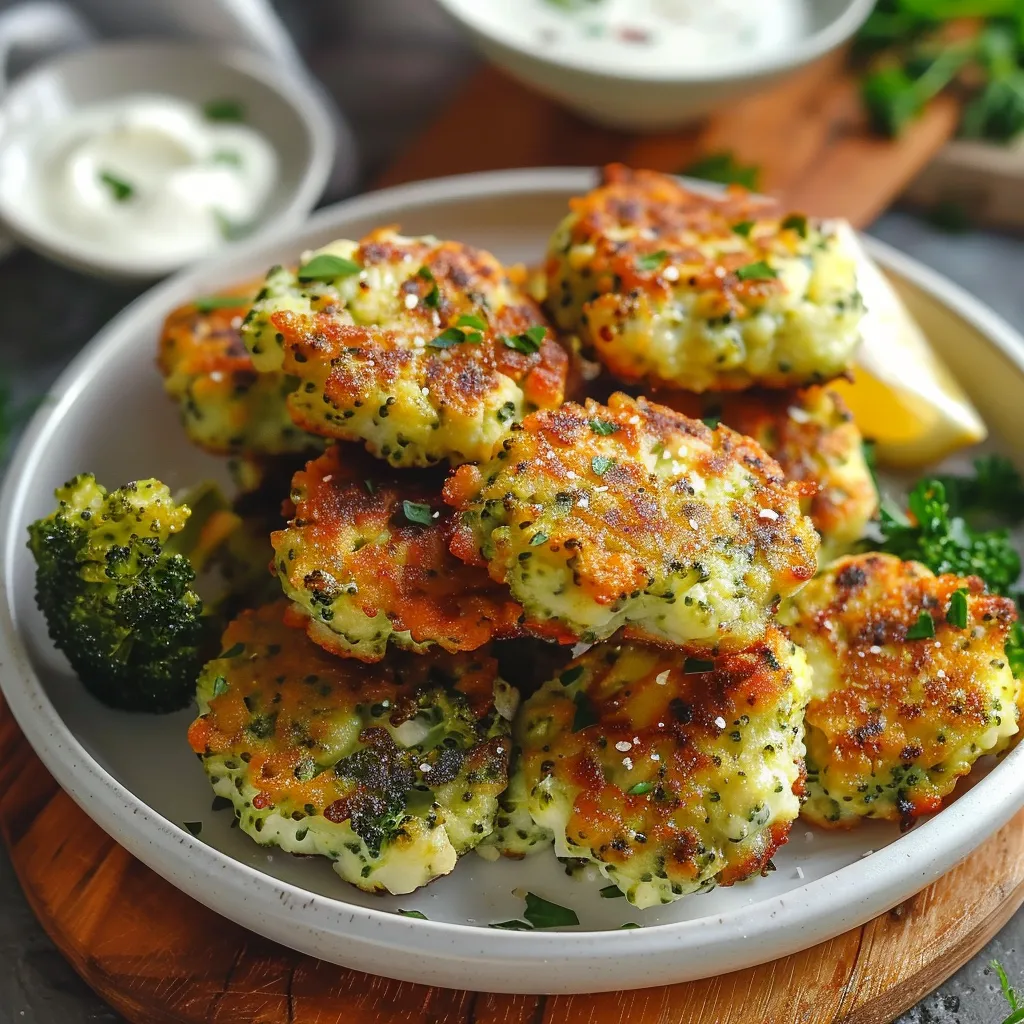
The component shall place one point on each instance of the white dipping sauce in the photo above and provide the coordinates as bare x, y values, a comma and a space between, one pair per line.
658, 35
153, 176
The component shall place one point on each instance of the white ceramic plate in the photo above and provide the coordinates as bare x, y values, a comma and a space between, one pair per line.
136, 776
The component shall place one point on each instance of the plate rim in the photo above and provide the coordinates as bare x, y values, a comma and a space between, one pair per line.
246, 894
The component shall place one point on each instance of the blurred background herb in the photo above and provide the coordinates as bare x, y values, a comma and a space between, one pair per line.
914, 50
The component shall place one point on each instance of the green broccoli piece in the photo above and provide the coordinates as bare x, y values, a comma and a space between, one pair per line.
117, 592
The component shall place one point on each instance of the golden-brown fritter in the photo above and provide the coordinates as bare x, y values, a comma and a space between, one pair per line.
671, 774
633, 515
422, 350
391, 771
226, 406
702, 291
911, 686
366, 562
812, 436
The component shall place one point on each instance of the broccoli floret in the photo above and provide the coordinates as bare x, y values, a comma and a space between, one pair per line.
117, 592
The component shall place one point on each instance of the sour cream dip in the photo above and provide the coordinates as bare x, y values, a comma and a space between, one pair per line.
152, 176
658, 35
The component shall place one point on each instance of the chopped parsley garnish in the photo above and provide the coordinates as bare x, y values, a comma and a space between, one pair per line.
1011, 997
604, 428
230, 157
711, 422
586, 713
601, 464
414, 913
433, 297
640, 788
195, 827
693, 665
223, 110
326, 267
759, 271
537, 539
528, 342
611, 892
628, 924
796, 222
957, 613
469, 320
208, 303
571, 675
119, 188
232, 652
371, 487
542, 913
512, 926
923, 629
944, 542
724, 168
417, 513
743, 227
455, 336
220, 686
651, 260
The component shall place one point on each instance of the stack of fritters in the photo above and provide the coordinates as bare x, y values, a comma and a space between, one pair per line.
488, 521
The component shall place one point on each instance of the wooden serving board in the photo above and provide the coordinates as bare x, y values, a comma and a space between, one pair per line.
159, 957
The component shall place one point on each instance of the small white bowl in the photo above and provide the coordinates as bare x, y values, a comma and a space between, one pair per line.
651, 98
294, 118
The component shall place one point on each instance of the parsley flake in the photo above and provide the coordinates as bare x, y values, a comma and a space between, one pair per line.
208, 303
512, 926
611, 892
528, 342
119, 188
796, 222
957, 613
542, 913
604, 428
923, 629
433, 297
417, 513
414, 913
651, 260
586, 713
223, 110
759, 271
571, 675
537, 539
220, 686
601, 464
640, 788
232, 652
326, 267
711, 422
469, 320
628, 924
743, 227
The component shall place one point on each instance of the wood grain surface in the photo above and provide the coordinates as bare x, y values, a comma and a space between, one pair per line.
807, 136
159, 957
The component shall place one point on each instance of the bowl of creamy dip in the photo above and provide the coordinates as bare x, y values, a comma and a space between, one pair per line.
132, 159
654, 64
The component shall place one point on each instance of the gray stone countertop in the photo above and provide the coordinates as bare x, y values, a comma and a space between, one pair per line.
391, 64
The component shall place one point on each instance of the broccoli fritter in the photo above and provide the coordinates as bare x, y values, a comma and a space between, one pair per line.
910, 686
812, 436
634, 515
226, 406
671, 774
422, 350
391, 771
366, 562
117, 595
516, 835
702, 292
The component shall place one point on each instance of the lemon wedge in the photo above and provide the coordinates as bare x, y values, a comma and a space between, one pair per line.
902, 396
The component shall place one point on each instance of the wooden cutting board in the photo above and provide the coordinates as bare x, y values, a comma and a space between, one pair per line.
159, 957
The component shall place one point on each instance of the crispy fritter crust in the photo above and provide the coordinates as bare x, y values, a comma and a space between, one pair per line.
364, 349
226, 406
392, 771
668, 286
812, 436
632, 514
361, 573
893, 723
672, 775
